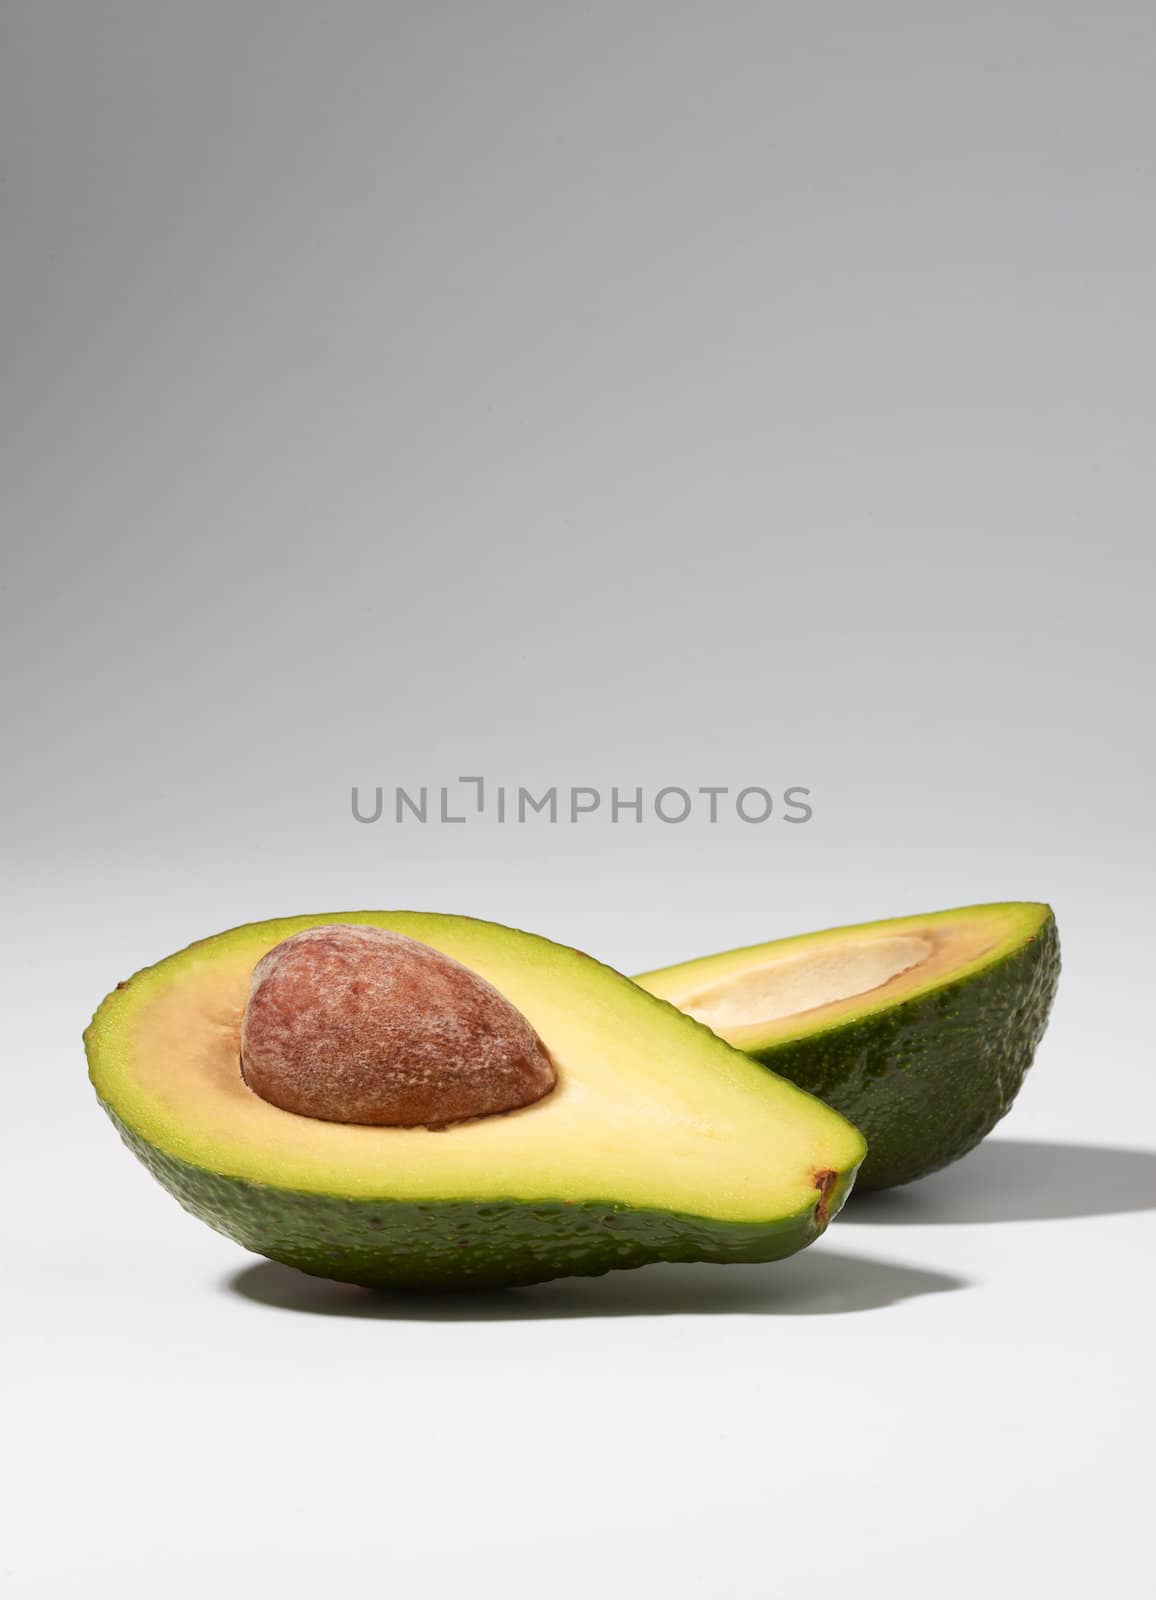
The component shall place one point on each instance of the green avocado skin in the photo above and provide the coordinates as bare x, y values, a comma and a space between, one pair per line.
926, 1080
460, 1244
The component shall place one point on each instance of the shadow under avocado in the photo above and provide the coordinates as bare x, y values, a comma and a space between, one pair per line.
1018, 1180
820, 1282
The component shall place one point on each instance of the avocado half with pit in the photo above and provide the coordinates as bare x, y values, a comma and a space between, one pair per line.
918, 1029
655, 1141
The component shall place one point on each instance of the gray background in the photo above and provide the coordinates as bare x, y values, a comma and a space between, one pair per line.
588, 393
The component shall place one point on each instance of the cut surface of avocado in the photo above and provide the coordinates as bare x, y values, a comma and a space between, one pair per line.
659, 1143
919, 1029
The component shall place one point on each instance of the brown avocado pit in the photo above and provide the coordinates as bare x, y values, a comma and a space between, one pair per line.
351, 1023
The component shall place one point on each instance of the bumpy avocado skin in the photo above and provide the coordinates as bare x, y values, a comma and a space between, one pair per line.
447, 1245
925, 1081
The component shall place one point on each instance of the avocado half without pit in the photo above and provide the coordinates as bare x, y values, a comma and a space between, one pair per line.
919, 1029
398, 1099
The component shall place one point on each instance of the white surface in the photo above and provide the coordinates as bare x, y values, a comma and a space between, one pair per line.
905, 1408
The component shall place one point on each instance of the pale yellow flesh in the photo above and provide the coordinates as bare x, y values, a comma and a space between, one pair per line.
647, 1110
798, 983
756, 996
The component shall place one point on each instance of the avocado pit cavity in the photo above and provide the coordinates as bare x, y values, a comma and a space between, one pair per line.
352, 1023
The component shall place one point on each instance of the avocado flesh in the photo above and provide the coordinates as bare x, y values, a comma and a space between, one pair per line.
918, 1029
660, 1142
